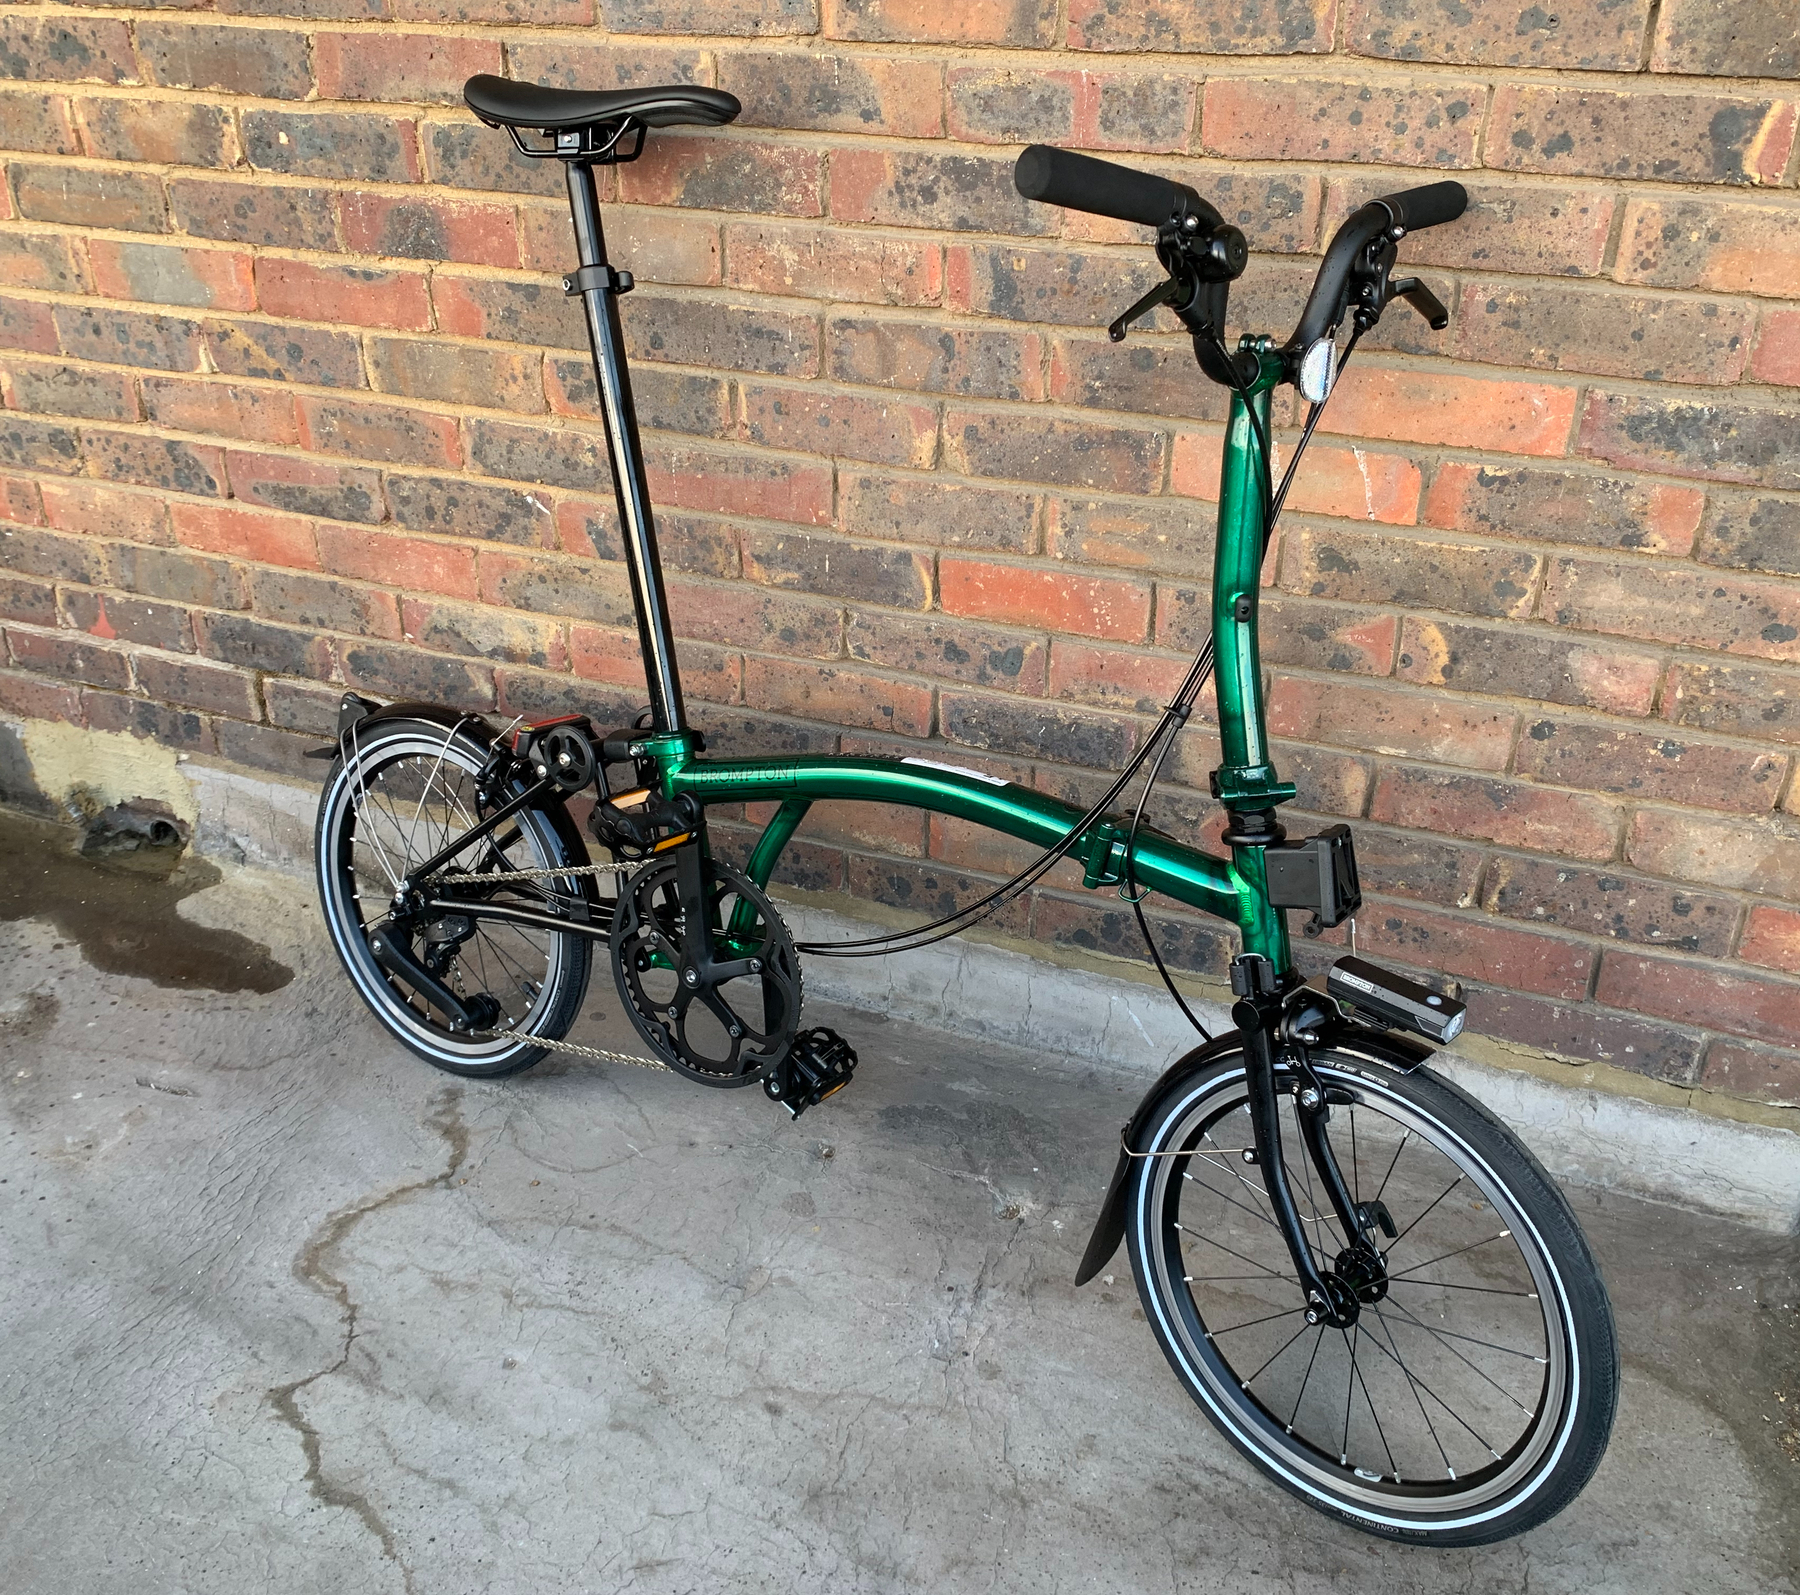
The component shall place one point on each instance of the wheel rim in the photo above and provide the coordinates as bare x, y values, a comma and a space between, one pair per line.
392, 807
1446, 1400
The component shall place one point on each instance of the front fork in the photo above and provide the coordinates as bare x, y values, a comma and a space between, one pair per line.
1274, 1021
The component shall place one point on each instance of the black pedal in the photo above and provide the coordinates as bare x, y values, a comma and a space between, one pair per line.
819, 1064
1394, 1001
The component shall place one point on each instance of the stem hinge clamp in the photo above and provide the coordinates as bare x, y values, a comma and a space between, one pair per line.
604, 278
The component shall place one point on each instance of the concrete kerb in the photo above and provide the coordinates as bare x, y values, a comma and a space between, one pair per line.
1658, 1151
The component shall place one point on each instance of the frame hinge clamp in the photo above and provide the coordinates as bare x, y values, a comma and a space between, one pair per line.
1250, 786
588, 278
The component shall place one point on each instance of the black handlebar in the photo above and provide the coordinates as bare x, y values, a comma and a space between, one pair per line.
1079, 182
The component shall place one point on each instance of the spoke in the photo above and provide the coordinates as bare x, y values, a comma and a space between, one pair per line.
1246, 1383
1420, 1323
1405, 1136
1349, 1391
1304, 1378
1434, 1202
1368, 1401
1237, 1173
1201, 1235
1476, 1340
1267, 1318
1413, 1379
1228, 1201
1504, 1234
1413, 1385
1444, 1284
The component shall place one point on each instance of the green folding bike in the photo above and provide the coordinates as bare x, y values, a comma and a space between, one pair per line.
1364, 1280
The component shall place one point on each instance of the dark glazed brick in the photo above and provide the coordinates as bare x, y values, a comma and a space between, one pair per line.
689, 543
36, 124
905, 509
1376, 568
836, 93
129, 338
809, 563
269, 63
265, 748
402, 672
1702, 994
1146, 377
1246, 27
27, 324
1684, 138
1306, 119
161, 132
82, 196
29, 601
69, 390
63, 49
1521, 662
1729, 441
109, 711
930, 357
280, 352
997, 105
154, 462
388, 433
930, 890
1596, 35
457, 373
1752, 534
1705, 609
711, 333
1071, 288
1090, 925
930, 645
1063, 453
666, 401
1643, 764
559, 458
1620, 907
298, 706
707, 16
305, 487
573, 63
467, 155
1583, 1033
53, 555
456, 508
39, 446
254, 213
766, 179
371, 148
1036, 730
480, 633
64, 657
579, 590
743, 615
538, 314
1760, 1073
1014, 22
180, 576
1540, 231
41, 261
257, 645
399, 67
1706, 38
1542, 503
197, 686
323, 604
958, 193
1739, 700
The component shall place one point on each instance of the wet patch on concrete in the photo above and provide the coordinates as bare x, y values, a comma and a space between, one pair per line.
114, 893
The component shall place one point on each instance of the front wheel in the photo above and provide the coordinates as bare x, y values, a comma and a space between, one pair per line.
1473, 1397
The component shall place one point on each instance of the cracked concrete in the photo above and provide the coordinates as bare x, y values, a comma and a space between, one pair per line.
287, 1310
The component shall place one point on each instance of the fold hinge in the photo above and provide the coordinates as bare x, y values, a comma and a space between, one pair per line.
601, 277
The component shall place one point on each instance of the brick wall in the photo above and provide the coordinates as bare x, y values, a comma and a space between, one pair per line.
293, 401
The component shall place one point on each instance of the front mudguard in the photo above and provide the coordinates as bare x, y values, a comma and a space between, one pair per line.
1391, 1049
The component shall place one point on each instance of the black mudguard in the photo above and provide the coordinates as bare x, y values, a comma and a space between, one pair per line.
1396, 1051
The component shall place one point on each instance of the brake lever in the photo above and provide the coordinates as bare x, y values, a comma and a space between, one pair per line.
1160, 295
1423, 300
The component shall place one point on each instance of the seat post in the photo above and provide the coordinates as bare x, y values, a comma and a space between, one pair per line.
606, 339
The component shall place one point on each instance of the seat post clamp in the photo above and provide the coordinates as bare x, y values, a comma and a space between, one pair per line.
604, 278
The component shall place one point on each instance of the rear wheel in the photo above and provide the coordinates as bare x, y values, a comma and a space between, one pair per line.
406, 789
1473, 1397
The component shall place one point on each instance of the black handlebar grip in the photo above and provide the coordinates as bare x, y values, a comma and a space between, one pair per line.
1079, 182
1427, 206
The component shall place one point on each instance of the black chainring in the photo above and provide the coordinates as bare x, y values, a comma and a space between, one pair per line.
724, 1031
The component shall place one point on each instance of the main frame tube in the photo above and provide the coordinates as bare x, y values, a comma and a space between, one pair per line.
606, 341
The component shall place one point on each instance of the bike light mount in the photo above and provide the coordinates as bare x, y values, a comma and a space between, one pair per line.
1318, 873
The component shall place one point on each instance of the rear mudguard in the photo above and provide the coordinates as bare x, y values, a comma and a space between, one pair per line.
1394, 1050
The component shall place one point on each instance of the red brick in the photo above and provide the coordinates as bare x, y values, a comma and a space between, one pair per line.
1513, 813
1658, 602
1158, 535
1760, 1073
1439, 407
66, 49
1060, 600
279, 351
483, 633
69, 660
363, 295
827, 263
1313, 119
1684, 138
755, 175
160, 132
1406, 724
41, 260
753, 17
37, 124
429, 229
98, 511
1550, 232
1745, 855
1564, 506
741, 484
246, 534
270, 63
225, 409
617, 657
21, 501
514, 312
657, 245
949, 647
1682, 242
1772, 939
926, 188
812, 562
1476, 948
305, 487
1598, 35
740, 614
1114, 678
386, 432
1526, 662
843, 425
254, 213
417, 563
932, 357
214, 279
1777, 355
1705, 37
1312, 636
89, 196
900, 96
28, 324
1010, 22
1702, 994
457, 373
837, 696
213, 688
1601, 758
404, 68
31, 698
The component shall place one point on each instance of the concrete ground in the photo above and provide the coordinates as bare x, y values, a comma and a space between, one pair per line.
286, 1310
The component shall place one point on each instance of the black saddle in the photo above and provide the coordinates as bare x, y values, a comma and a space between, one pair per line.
502, 103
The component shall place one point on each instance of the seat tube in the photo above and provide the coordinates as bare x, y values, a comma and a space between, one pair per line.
606, 340
1246, 781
